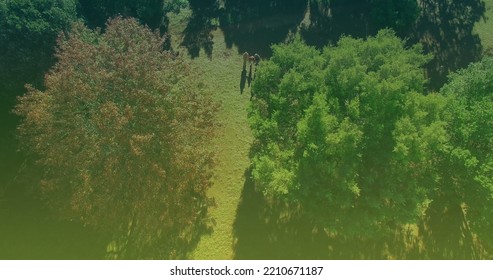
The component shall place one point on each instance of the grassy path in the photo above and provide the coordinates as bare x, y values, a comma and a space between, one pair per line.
222, 73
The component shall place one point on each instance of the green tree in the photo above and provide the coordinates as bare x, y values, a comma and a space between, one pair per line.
149, 12
122, 133
329, 20
328, 128
28, 32
468, 166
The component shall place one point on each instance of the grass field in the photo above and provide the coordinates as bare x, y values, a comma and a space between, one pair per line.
222, 73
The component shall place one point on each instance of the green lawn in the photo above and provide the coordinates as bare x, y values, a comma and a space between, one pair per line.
222, 74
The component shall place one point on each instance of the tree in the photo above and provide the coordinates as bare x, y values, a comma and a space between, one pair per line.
122, 133
28, 32
149, 12
468, 186
255, 25
329, 20
329, 128
198, 33
446, 30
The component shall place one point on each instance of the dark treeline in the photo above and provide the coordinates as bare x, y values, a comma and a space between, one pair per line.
150, 12
29, 29
444, 28
197, 34
254, 25
358, 18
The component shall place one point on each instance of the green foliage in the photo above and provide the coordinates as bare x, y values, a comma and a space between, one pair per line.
255, 25
445, 29
331, 132
349, 135
149, 12
28, 32
470, 161
175, 5
122, 133
329, 20
399, 15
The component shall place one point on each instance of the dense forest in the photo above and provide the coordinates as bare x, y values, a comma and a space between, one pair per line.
262, 129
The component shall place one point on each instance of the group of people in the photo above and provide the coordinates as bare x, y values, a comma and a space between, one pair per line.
251, 59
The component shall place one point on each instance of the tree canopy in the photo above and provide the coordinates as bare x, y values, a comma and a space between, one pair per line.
149, 12
469, 163
326, 128
359, 18
350, 135
28, 32
121, 133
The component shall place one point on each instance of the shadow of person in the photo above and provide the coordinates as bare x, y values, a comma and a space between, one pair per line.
250, 76
243, 80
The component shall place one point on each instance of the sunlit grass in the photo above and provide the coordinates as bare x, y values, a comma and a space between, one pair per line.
222, 74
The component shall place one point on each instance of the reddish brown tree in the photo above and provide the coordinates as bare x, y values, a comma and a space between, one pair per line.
122, 133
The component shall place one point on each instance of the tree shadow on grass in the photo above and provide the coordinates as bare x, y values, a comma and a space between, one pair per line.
198, 33
445, 29
446, 233
269, 229
29, 231
329, 21
253, 26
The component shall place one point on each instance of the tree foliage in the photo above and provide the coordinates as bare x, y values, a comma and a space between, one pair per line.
349, 135
328, 131
446, 30
359, 18
469, 163
149, 12
28, 32
122, 133
256, 24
